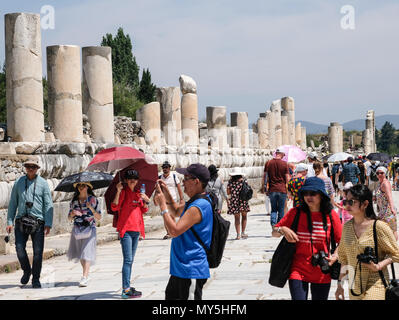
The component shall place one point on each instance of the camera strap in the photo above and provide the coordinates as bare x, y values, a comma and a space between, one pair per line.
376, 253
26, 192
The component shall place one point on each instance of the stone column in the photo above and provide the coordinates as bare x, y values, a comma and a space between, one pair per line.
288, 105
303, 138
335, 136
189, 111
216, 124
169, 99
271, 130
285, 128
263, 133
298, 134
276, 110
24, 89
65, 92
98, 93
240, 120
370, 125
149, 116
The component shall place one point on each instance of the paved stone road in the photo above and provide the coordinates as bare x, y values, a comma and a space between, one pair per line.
242, 275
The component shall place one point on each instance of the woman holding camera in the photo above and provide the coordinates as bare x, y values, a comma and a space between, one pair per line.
312, 260
131, 204
357, 245
84, 212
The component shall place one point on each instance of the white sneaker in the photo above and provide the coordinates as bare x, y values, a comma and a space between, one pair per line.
84, 281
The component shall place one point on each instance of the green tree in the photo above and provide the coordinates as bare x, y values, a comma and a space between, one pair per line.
385, 137
124, 66
147, 88
125, 101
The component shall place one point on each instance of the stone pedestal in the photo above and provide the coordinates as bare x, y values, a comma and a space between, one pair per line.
24, 90
240, 120
189, 119
169, 99
149, 116
65, 93
216, 123
98, 93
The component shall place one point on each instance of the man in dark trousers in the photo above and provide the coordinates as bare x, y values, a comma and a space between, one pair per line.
278, 177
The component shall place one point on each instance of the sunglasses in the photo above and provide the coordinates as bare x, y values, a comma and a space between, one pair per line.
349, 202
309, 193
81, 185
380, 172
31, 167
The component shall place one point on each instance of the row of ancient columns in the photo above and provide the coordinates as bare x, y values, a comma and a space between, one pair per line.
66, 101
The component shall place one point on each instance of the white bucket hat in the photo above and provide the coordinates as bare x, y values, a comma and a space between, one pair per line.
237, 172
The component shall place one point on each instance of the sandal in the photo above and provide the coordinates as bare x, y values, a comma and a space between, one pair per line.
244, 235
238, 237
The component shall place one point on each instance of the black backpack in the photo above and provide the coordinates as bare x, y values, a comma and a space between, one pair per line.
373, 173
220, 232
246, 191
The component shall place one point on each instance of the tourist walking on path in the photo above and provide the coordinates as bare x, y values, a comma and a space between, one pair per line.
295, 184
371, 176
236, 206
188, 259
364, 280
351, 172
343, 213
173, 183
278, 177
131, 204
84, 211
362, 169
385, 206
318, 169
312, 238
31, 198
216, 186
312, 157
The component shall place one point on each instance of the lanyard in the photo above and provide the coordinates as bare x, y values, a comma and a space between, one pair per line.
26, 191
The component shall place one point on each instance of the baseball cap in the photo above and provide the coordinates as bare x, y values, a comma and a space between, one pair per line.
301, 167
32, 162
132, 174
196, 170
280, 150
166, 164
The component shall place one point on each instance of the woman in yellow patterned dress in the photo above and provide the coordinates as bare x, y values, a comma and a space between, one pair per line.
357, 234
385, 205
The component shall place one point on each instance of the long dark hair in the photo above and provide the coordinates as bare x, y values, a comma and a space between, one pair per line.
235, 178
76, 194
362, 193
325, 208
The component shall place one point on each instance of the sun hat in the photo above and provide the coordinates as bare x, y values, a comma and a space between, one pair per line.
381, 168
83, 182
314, 184
196, 170
237, 172
33, 162
348, 185
301, 167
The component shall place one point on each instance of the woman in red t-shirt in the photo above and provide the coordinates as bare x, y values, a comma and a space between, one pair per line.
131, 205
312, 237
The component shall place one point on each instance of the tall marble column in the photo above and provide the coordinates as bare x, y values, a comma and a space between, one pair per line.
275, 108
271, 130
24, 89
298, 134
263, 133
169, 99
285, 128
303, 138
335, 137
240, 120
189, 111
288, 105
370, 125
216, 124
65, 92
98, 93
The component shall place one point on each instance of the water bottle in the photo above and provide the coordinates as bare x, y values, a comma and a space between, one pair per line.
142, 189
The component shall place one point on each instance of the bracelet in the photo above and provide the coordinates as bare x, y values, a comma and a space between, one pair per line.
163, 212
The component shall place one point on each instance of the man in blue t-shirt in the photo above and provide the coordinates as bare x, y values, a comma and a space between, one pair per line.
188, 258
351, 172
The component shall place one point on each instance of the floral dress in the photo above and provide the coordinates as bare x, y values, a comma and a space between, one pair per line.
236, 205
293, 187
384, 210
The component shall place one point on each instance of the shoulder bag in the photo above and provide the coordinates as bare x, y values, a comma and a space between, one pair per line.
280, 268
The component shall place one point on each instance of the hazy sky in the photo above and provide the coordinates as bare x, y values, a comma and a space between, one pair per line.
245, 54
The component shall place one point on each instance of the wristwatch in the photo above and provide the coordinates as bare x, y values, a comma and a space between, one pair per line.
279, 231
163, 212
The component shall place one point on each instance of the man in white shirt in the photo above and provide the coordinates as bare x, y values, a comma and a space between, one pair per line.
173, 183
312, 157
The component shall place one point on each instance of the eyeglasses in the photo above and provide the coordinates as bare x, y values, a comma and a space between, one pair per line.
189, 178
349, 202
309, 193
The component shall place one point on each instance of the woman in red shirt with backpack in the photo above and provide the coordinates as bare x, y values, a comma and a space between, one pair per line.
312, 257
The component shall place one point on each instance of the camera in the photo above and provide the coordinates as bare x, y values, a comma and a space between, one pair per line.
6, 238
29, 204
319, 259
367, 256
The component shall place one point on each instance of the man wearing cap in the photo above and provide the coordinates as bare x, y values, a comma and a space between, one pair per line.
31, 196
278, 176
188, 259
312, 157
173, 184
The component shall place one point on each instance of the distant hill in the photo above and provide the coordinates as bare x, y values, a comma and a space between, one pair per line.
357, 125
